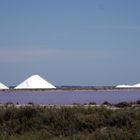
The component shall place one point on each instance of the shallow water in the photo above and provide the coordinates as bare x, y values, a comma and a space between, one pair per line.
68, 97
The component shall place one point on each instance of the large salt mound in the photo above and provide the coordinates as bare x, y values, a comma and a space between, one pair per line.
35, 82
2, 86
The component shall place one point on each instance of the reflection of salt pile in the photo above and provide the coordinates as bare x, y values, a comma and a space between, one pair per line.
35, 82
2, 86
128, 86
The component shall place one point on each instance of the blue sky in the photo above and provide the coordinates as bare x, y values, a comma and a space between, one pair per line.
70, 42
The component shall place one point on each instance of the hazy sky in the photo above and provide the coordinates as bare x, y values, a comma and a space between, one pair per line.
70, 42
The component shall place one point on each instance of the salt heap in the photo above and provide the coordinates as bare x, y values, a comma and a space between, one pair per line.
35, 82
128, 86
124, 86
2, 86
136, 86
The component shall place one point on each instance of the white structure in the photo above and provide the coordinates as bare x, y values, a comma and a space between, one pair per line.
136, 86
2, 86
128, 86
35, 82
123, 86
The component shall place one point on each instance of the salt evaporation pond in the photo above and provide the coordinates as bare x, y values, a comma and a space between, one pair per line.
68, 97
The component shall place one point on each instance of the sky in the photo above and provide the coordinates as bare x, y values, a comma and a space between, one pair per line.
70, 42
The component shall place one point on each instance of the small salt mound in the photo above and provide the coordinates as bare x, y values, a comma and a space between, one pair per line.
136, 86
124, 86
129, 86
2, 86
35, 82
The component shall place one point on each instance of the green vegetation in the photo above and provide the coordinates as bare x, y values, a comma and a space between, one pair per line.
69, 123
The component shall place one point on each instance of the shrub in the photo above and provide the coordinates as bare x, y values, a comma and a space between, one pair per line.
123, 104
69, 123
138, 102
92, 103
106, 103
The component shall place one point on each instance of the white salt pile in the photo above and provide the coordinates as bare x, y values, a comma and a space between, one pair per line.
2, 86
136, 85
35, 82
128, 86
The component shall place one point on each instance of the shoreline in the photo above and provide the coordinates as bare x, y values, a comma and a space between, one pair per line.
90, 104
65, 90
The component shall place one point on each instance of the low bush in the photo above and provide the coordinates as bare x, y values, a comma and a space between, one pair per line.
123, 104
69, 123
106, 103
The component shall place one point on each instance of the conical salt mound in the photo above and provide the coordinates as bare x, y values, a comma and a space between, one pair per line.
2, 86
35, 82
